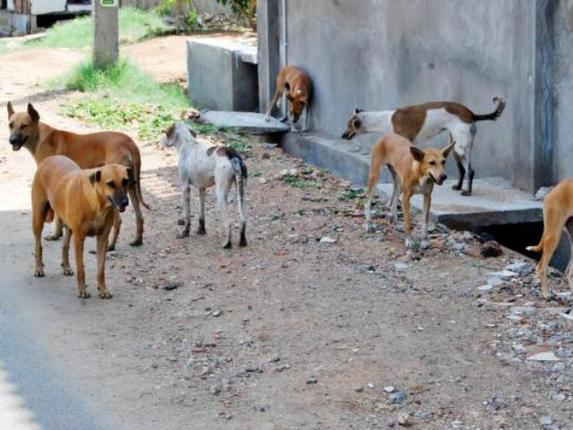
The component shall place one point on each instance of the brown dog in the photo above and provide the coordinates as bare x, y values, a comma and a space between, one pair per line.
87, 150
414, 171
557, 211
297, 87
85, 201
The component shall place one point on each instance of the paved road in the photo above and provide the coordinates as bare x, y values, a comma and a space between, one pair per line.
34, 392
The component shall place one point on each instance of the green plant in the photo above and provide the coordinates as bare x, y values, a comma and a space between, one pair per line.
351, 194
191, 19
297, 182
127, 98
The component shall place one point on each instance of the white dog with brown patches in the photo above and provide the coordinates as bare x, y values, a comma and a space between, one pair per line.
421, 122
203, 165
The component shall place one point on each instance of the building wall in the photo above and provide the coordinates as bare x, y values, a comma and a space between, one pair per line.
382, 54
563, 91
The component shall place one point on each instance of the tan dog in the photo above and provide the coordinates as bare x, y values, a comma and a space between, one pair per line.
414, 171
557, 210
421, 122
87, 150
85, 201
297, 87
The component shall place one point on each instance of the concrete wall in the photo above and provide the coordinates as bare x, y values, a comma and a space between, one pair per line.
563, 90
382, 54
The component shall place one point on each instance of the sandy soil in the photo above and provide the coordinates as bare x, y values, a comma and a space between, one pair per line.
290, 332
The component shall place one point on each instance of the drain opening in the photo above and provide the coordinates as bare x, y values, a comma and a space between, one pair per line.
518, 236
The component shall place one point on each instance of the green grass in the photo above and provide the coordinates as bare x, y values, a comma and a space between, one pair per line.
124, 97
134, 25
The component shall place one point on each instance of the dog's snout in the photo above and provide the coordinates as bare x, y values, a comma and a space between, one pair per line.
442, 178
15, 139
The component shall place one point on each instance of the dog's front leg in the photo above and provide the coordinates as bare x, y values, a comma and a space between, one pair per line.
426, 215
222, 192
407, 226
66, 268
201, 227
471, 174
80, 272
186, 191
116, 229
38, 225
58, 230
102, 240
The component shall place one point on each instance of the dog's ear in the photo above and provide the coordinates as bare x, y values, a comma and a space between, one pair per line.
287, 87
95, 177
34, 115
10, 109
357, 123
417, 153
446, 151
357, 111
211, 150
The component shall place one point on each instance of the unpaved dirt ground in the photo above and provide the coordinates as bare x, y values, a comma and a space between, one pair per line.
290, 332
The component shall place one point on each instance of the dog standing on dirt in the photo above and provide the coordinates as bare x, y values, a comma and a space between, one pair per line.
414, 171
297, 87
85, 201
87, 150
203, 166
557, 213
421, 122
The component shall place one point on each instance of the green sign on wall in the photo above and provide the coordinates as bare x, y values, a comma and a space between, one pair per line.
108, 3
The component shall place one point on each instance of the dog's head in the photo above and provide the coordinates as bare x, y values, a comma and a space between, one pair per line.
112, 182
296, 101
354, 125
23, 127
432, 162
178, 133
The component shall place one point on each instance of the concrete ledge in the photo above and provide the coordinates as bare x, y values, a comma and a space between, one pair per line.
222, 73
494, 201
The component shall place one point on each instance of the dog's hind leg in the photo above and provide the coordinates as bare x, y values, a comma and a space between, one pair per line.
138, 241
58, 230
37, 226
66, 268
116, 229
553, 227
222, 188
569, 271
201, 227
375, 166
461, 171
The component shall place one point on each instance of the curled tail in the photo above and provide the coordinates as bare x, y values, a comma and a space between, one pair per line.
493, 115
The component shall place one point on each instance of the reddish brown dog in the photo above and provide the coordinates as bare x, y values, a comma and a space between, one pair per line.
297, 87
557, 213
85, 201
87, 150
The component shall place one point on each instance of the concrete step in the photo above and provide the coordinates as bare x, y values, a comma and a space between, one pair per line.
247, 122
494, 201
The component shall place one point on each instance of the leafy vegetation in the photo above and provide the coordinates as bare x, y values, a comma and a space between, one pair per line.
126, 98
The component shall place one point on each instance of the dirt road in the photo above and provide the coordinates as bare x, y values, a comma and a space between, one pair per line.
290, 332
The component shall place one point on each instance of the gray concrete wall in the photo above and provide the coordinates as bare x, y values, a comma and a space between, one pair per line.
563, 91
382, 54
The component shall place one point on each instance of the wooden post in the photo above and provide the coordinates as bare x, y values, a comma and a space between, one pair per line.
106, 39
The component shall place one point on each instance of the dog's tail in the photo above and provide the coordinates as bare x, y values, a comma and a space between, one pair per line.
536, 248
137, 174
240, 169
500, 101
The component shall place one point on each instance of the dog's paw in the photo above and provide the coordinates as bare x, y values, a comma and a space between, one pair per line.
52, 237
410, 243
181, 221
67, 271
111, 248
83, 294
267, 118
136, 242
456, 187
39, 273
227, 245
183, 234
105, 294
201, 231
466, 193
